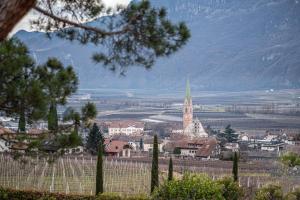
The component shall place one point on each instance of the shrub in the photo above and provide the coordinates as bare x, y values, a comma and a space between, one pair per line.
290, 159
190, 187
269, 192
9, 194
231, 189
295, 195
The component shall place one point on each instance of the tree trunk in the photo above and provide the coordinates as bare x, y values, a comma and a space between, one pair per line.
11, 12
99, 172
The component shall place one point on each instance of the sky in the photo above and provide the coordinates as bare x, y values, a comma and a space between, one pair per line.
25, 25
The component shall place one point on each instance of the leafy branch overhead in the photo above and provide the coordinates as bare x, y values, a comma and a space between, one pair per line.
136, 35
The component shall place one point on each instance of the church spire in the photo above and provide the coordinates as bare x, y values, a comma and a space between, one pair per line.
188, 89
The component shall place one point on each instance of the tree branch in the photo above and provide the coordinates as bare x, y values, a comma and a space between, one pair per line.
82, 26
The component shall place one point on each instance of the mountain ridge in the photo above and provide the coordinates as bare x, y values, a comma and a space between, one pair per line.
235, 45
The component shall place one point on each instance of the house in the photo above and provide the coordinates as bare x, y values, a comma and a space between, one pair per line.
274, 147
20, 147
204, 148
148, 144
73, 150
7, 137
117, 148
234, 147
244, 137
126, 127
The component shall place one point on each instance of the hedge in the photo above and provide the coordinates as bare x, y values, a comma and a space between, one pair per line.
10, 194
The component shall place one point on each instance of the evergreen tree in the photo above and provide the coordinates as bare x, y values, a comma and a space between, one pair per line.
88, 112
154, 169
21, 92
235, 167
138, 34
229, 134
59, 83
94, 139
141, 144
99, 175
170, 173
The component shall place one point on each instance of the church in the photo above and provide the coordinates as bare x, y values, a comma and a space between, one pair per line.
191, 127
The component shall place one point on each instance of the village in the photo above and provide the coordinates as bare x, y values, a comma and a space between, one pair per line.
130, 138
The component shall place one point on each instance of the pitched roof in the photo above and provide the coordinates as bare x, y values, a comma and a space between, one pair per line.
125, 124
4, 130
115, 146
207, 149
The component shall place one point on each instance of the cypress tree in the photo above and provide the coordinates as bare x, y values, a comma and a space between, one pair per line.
22, 121
235, 167
99, 173
154, 169
52, 117
141, 144
170, 173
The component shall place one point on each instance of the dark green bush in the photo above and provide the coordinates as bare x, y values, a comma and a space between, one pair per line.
10, 194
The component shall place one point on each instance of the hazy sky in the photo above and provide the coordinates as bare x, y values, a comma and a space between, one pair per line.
24, 23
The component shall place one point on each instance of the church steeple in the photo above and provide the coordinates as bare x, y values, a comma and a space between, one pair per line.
188, 107
188, 89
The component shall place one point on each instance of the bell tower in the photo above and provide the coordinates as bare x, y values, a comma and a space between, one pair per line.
188, 107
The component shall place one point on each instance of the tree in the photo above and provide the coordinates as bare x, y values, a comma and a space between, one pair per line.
88, 112
154, 169
170, 172
235, 167
141, 144
229, 134
59, 83
94, 139
135, 35
269, 192
21, 92
99, 176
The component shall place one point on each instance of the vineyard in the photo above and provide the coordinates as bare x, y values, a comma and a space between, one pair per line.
76, 175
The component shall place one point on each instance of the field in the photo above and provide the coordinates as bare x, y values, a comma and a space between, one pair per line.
76, 175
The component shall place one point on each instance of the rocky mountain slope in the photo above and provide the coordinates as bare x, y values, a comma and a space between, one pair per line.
235, 45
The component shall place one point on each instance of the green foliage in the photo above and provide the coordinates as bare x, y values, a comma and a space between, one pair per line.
235, 167
88, 111
154, 169
21, 91
295, 195
137, 35
9, 194
69, 140
170, 172
99, 172
177, 151
58, 83
141, 144
190, 187
231, 189
290, 159
229, 134
52, 117
269, 192
94, 138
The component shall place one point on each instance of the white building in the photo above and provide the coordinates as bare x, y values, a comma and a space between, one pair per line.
125, 128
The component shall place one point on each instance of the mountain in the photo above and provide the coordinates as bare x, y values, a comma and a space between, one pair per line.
235, 45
